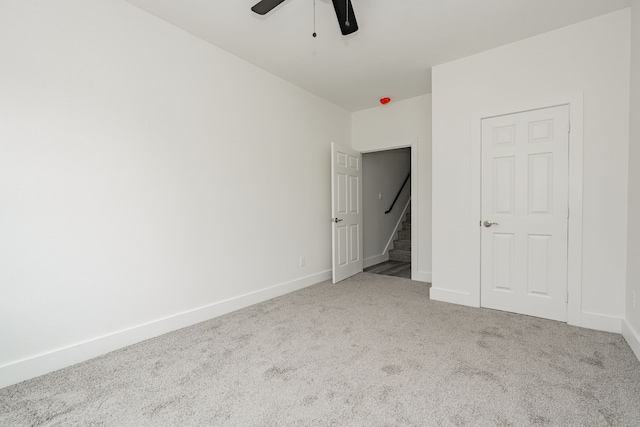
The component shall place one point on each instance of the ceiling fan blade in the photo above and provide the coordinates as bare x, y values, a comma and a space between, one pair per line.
265, 6
346, 17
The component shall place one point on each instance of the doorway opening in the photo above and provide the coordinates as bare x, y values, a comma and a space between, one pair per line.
386, 188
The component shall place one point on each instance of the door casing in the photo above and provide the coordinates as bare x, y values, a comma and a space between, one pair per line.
411, 143
574, 255
525, 191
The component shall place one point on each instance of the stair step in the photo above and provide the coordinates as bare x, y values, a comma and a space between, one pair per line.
402, 244
400, 255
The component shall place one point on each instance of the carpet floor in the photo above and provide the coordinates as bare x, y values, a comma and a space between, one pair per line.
370, 351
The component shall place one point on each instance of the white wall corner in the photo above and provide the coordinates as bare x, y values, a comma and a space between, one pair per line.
632, 337
41, 364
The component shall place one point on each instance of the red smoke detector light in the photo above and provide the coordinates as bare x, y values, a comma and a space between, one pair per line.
385, 100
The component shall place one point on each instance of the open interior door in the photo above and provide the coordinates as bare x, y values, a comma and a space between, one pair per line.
346, 210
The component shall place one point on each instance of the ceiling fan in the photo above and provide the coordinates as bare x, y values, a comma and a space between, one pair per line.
344, 12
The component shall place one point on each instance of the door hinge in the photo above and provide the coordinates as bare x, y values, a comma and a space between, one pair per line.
567, 297
569, 131
568, 212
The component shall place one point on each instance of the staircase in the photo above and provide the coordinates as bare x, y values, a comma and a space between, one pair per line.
402, 245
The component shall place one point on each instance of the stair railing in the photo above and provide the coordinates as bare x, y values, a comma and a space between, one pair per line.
398, 195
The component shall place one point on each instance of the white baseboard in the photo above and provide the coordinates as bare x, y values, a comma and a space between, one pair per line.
453, 297
41, 364
600, 322
632, 336
376, 259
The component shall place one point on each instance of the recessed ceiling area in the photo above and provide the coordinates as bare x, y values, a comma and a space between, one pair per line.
392, 52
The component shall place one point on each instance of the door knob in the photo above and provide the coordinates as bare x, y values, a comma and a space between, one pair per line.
336, 220
489, 223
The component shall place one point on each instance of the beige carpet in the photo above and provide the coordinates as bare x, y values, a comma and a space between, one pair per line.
370, 351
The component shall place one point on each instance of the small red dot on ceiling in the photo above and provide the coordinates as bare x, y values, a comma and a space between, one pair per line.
385, 100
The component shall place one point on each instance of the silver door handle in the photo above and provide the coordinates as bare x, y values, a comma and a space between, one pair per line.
489, 223
335, 220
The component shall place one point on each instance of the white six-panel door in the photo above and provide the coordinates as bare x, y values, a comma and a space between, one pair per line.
525, 212
346, 208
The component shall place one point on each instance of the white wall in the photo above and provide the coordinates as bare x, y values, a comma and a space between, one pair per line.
631, 328
398, 124
591, 57
148, 181
383, 173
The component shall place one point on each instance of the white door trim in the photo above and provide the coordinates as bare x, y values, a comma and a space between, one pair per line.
415, 195
574, 256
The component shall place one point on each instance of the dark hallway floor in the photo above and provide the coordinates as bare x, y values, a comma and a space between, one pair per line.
391, 268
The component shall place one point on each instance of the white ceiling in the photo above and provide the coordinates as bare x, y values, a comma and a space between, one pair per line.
392, 53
